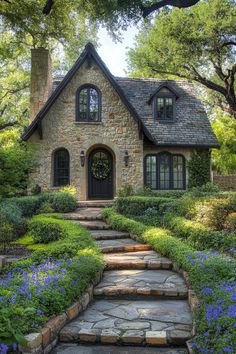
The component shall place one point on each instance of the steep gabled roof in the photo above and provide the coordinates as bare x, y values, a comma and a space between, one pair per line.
88, 53
191, 127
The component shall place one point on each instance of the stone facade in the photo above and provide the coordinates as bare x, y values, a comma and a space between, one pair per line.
118, 131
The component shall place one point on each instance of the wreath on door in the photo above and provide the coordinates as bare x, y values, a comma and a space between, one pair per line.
100, 169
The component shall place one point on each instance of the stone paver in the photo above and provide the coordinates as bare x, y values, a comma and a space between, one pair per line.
122, 245
137, 260
131, 322
141, 282
107, 349
108, 234
93, 225
85, 214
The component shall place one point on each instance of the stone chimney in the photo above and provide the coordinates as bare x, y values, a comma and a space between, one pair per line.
41, 80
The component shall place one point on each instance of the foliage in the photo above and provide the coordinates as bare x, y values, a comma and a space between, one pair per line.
64, 202
24, 27
197, 43
45, 208
200, 221
224, 159
44, 285
11, 213
230, 222
69, 189
204, 190
6, 234
211, 275
45, 229
15, 164
125, 191
199, 169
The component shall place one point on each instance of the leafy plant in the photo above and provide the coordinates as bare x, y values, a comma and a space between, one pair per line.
199, 169
6, 234
69, 189
64, 202
125, 191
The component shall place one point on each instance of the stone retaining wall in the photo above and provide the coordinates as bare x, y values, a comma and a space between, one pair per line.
225, 182
44, 341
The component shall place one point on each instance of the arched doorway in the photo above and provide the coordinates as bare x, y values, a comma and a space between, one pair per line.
100, 174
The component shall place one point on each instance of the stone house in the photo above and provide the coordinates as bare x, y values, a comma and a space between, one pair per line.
98, 132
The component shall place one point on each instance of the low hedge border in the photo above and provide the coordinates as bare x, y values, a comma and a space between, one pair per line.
45, 340
212, 277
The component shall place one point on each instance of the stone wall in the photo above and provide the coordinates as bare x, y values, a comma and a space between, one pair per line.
225, 182
118, 131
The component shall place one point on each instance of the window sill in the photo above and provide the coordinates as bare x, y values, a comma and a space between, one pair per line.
89, 123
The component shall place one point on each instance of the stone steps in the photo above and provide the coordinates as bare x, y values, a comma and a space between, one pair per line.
108, 234
121, 245
158, 323
139, 304
93, 225
137, 260
96, 203
85, 214
108, 349
158, 283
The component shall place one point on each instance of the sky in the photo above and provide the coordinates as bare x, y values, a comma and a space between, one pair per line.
114, 53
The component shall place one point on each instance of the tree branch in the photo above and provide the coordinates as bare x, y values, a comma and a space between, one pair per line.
147, 10
6, 125
48, 7
228, 43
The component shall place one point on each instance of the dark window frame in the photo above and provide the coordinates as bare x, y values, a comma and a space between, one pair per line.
78, 92
164, 95
171, 172
56, 175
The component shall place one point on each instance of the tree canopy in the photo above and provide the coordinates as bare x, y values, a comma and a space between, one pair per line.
23, 26
198, 43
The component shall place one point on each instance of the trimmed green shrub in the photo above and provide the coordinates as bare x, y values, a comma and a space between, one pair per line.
64, 202
45, 208
45, 229
6, 234
28, 205
137, 205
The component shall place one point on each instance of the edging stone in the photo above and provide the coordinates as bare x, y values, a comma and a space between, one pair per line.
44, 341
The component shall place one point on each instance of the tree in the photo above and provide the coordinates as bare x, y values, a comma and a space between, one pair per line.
15, 164
111, 11
23, 26
224, 160
198, 43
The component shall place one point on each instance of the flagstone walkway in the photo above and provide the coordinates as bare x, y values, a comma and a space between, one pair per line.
140, 303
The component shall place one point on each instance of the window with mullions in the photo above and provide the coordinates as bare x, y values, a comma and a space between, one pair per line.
61, 168
165, 171
88, 105
165, 108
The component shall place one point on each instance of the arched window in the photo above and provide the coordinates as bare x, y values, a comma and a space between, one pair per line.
61, 167
88, 104
165, 171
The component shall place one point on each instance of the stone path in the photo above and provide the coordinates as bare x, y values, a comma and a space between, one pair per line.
140, 302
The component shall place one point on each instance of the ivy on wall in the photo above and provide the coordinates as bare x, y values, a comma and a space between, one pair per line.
199, 167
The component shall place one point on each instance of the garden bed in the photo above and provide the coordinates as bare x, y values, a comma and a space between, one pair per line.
211, 275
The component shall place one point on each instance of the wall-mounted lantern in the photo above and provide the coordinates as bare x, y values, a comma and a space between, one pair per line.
126, 158
82, 158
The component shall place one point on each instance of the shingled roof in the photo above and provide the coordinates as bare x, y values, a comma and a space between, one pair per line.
191, 127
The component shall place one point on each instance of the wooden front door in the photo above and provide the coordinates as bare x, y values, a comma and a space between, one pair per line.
100, 174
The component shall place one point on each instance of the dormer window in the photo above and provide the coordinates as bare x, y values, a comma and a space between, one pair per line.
163, 101
165, 108
88, 104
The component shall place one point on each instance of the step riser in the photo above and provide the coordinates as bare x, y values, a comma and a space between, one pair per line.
94, 336
140, 293
125, 249
104, 237
138, 265
84, 218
